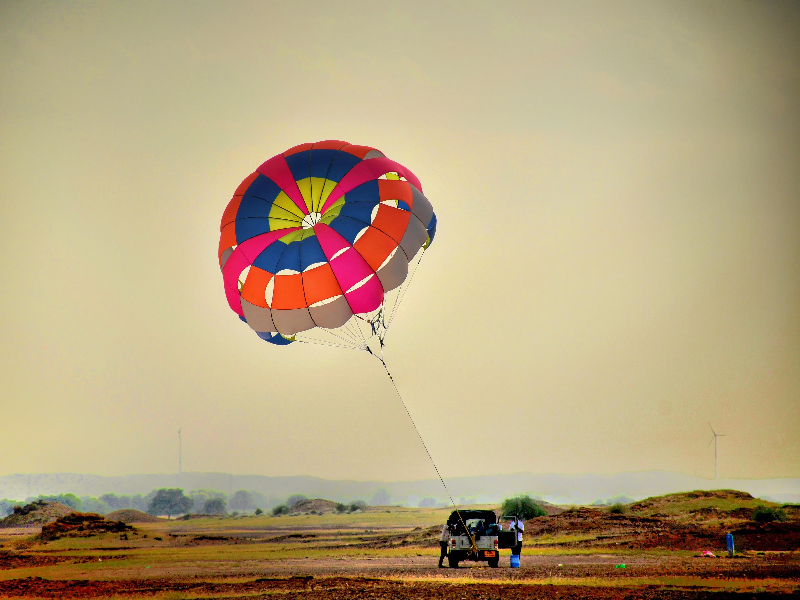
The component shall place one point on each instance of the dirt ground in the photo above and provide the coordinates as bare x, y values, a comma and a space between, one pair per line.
350, 588
582, 553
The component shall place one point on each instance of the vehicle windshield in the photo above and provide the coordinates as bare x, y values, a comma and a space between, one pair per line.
475, 524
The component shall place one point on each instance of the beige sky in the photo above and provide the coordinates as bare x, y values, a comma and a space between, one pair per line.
617, 261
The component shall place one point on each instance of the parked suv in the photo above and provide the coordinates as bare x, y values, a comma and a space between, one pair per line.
475, 535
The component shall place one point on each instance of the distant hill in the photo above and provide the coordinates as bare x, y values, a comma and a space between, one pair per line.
36, 514
552, 487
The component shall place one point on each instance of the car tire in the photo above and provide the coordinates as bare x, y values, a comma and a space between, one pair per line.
452, 561
494, 562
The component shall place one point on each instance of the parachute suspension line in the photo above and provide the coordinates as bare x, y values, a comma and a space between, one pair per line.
357, 325
323, 343
351, 334
402, 293
349, 339
424, 445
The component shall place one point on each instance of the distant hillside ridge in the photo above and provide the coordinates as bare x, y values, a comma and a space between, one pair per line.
553, 487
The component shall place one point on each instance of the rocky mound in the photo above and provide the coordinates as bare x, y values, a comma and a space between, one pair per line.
689, 497
131, 515
36, 514
317, 505
81, 525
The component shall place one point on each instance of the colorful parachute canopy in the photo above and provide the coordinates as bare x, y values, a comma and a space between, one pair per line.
320, 233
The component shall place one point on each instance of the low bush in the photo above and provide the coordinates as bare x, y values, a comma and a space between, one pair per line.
357, 505
617, 509
281, 509
259, 512
340, 507
765, 514
522, 506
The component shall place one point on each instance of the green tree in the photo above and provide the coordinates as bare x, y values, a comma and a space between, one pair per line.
90, 504
70, 500
241, 500
200, 497
294, 499
281, 509
381, 498
115, 502
213, 506
169, 502
522, 506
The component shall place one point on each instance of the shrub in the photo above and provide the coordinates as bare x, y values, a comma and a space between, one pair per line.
765, 514
281, 509
259, 511
357, 505
617, 509
522, 506
340, 508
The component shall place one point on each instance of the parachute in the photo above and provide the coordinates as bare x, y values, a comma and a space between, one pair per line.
317, 244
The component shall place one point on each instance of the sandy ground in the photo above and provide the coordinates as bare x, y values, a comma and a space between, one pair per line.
572, 555
566, 576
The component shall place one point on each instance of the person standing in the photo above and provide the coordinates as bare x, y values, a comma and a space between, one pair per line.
519, 527
444, 543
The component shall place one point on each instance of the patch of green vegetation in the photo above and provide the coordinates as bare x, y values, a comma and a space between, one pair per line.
617, 509
279, 510
766, 514
522, 506
682, 505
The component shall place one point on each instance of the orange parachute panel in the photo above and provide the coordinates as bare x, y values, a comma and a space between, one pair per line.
255, 285
390, 189
392, 221
320, 284
227, 238
375, 246
288, 293
229, 216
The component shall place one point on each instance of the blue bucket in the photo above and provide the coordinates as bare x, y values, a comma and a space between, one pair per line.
515, 561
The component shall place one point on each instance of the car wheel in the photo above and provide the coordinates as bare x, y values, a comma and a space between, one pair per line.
452, 561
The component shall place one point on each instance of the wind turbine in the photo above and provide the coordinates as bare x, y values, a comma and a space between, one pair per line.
716, 461
180, 454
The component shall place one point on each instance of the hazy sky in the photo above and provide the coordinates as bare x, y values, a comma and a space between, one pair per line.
617, 261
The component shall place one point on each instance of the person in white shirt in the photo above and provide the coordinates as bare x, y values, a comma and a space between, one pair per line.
444, 543
518, 526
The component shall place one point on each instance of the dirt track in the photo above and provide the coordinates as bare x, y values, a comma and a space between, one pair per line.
417, 577
346, 587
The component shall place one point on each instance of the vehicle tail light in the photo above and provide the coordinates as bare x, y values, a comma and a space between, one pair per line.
453, 542
495, 542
